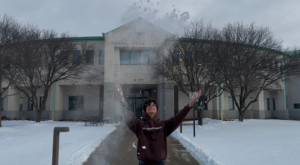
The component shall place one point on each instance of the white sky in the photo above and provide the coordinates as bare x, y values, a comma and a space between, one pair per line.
94, 17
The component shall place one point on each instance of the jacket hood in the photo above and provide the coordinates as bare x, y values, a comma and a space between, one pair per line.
146, 117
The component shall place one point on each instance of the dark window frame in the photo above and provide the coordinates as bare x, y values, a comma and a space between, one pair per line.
76, 57
75, 99
205, 107
230, 97
176, 58
251, 105
101, 57
296, 105
29, 104
21, 104
64, 58
89, 60
41, 99
2, 104
135, 57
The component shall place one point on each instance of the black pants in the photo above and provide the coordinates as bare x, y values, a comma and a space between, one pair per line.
158, 163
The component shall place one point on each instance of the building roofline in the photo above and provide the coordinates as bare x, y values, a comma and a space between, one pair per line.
247, 45
87, 38
139, 18
120, 27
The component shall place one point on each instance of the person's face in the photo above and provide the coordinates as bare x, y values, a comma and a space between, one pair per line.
151, 109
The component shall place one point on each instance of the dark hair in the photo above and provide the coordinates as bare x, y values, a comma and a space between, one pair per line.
149, 101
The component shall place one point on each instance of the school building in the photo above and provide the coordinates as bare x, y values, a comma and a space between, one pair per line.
124, 56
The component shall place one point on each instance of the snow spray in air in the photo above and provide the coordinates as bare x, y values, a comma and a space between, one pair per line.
146, 25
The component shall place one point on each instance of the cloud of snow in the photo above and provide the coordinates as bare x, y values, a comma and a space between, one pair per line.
172, 19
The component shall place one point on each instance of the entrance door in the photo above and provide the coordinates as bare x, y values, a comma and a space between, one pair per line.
136, 105
136, 100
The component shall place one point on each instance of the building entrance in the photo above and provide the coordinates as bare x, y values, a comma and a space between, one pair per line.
136, 100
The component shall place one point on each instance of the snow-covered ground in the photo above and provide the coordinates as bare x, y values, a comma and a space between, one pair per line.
252, 142
30, 143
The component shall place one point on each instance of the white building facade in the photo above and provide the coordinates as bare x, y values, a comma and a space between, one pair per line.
125, 56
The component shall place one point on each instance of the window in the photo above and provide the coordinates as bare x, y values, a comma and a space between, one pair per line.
251, 105
281, 67
263, 63
268, 104
276, 65
21, 104
30, 105
75, 103
297, 106
274, 106
76, 57
201, 58
176, 58
270, 65
230, 103
125, 58
64, 58
152, 58
38, 60
2, 104
235, 59
188, 56
90, 57
144, 57
41, 100
205, 105
101, 57
136, 58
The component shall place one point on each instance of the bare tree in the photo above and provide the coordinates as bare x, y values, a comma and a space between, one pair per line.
41, 58
8, 25
253, 62
192, 63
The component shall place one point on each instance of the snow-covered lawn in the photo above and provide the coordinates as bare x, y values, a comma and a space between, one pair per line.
30, 143
252, 142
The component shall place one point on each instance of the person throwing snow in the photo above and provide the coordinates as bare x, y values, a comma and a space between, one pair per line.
152, 132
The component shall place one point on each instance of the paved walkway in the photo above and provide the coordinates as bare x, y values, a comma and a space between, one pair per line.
118, 149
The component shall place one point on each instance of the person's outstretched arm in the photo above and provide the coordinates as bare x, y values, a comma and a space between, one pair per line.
174, 122
130, 118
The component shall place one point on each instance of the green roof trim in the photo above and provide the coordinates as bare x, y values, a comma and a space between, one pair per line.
90, 38
113, 30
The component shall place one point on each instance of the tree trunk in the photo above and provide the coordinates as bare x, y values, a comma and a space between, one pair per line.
40, 111
1, 88
241, 116
38, 116
200, 117
0, 99
241, 110
0, 106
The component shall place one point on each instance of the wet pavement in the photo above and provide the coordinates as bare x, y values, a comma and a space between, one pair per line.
118, 148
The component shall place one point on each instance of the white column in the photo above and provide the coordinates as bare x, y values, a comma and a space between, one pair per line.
109, 80
13, 101
169, 99
260, 106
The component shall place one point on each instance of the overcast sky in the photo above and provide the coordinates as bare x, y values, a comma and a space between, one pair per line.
94, 17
